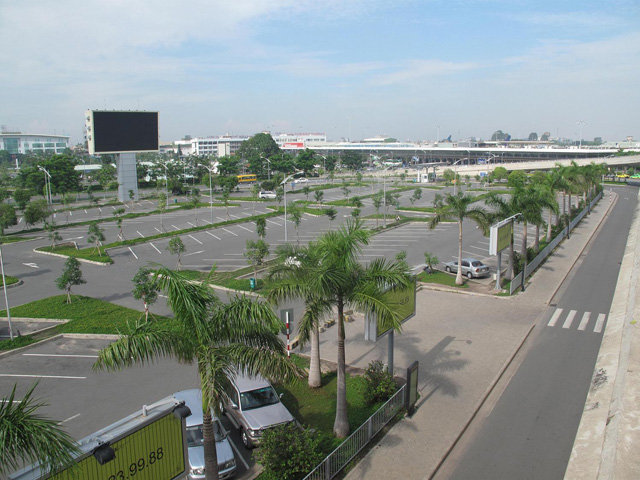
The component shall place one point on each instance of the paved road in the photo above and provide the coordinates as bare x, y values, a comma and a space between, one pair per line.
530, 432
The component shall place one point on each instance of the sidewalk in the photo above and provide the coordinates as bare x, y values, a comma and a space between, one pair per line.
607, 441
463, 343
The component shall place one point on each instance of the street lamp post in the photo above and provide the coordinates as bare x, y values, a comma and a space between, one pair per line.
268, 167
166, 182
210, 168
284, 188
581, 124
47, 184
6, 301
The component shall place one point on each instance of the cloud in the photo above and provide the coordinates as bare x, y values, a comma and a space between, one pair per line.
418, 69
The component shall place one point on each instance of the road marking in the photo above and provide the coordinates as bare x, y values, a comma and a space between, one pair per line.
41, 376
245, 228
554, 317
194, 238
69, 419
229, 231
158, 230
207, 221
570, 317
584, 321
139, 234
85, 211
223, 219
275, 223
155, 248
132, 253
175, 226
209, 233
32, 265
98, 209
193, 253
58, 355
192, 224
599, 323
113, 207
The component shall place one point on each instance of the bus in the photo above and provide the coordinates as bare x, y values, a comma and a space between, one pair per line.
249, 178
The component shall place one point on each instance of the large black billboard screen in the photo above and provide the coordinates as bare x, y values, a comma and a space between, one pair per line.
115, 131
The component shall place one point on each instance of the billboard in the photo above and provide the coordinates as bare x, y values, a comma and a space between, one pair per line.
500, 237
120, 131
405, 304
144, 447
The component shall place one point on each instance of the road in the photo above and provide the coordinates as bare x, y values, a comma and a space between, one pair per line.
530, 430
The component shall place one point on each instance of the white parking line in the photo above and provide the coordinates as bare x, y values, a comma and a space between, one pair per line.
139, 234
194, 238
275, 223
193, 253
41, 376
213, 235
229, 231
245, 228
175, 226
193, 225
223, 219
69, 419
155, 248
57, 355
132, 253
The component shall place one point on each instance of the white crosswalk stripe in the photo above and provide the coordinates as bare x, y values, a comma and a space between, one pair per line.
571, 315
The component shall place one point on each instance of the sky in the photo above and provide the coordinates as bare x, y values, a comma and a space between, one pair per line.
408, 69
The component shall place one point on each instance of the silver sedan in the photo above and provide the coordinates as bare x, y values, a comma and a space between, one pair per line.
471, 267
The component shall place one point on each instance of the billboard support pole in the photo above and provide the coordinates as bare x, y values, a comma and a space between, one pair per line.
127, 176
499, 270
390, 352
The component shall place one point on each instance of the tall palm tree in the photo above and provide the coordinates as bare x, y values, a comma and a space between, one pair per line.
29, 437
292, 277
340, 280
533, 199
222, 339
458, 207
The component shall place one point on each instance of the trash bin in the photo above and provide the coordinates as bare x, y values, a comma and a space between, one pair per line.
252, 283
175, 200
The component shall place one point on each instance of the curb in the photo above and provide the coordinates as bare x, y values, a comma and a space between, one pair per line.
83, 260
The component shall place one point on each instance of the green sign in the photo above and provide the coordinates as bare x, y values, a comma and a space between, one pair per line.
153, 452
504, 236
404, 303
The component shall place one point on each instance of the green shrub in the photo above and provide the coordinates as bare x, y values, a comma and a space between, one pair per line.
288, 452
379, 383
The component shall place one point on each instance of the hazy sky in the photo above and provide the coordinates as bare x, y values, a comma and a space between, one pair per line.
355, 68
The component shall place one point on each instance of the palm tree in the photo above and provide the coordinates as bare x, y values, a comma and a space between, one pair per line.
504, 209
340, 280
541, 197
292, 277
533, 200
222, 339
457, 207
28, 437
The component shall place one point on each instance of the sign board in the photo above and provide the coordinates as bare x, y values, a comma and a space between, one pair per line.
500, 237
484, 174
151, 447
405, 304
121, 131
481, 161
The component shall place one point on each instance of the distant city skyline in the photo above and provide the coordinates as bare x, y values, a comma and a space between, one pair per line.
351, 69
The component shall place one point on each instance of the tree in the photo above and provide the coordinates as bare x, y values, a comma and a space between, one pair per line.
67, 200
225, 202
36, 211
261, 227
339, 280
331, 213
162, 207
430, 259
458, 207
228, 166
221, 339
255, 150
132, 197
195, 201
145, 289
346, 192
71, 276
256, 253
8, 217
318, 196
176, 247
118, 213
64, 177
517, 179
96, 235
295, 214
352, 160
52, 233
417, 195
499, 173
255, 191
105, 176
377, 204
22, 196
306, 190
27, 437
306, 161
279, 195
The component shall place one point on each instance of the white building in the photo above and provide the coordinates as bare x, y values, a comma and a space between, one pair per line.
21, 143
220, 146
297, 141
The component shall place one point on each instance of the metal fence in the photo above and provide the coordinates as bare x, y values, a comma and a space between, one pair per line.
545, 252
355, 442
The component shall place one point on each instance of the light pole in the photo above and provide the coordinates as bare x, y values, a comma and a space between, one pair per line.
210, 168
47, 184
284, 188
437, 133
581, 124
6, 301
268, 167
166, 182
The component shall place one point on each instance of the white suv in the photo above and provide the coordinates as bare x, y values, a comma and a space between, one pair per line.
254, 406
267, 194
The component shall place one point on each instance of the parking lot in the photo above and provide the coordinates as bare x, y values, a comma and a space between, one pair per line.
84, 401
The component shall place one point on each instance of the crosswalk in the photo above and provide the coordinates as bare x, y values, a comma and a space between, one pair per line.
565, 320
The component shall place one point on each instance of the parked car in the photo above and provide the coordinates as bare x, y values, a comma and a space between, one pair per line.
267, 194
471, 267
195, 439
301, 180
253, 407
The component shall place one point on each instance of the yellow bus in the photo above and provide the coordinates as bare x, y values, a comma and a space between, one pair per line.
250, 178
